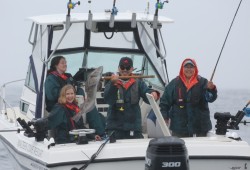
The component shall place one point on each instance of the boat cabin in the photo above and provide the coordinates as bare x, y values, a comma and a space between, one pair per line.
89, 43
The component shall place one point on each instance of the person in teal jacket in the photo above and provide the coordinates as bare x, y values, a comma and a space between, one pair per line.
123, 96
184, 103
60, 118
56, 79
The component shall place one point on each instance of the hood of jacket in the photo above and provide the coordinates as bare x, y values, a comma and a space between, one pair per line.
193, 80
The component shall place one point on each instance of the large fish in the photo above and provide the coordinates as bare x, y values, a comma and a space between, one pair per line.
91, 86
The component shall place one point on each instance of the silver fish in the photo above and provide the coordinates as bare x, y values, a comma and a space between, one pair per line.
91, 86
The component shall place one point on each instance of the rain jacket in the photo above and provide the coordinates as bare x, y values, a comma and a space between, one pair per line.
187, 104
59, 121
129, 118
53, 85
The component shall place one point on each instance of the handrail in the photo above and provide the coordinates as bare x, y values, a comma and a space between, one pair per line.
12, 82
158, 50
3, 102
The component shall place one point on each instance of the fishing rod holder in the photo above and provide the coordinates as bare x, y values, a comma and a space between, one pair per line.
40, 130
27, 130
133, 20
90, 17
227, 121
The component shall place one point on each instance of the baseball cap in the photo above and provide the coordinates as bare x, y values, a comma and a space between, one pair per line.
126, 62
188, 62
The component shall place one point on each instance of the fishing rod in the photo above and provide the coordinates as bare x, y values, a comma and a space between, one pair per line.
225, 42
70, 5
13, 130
246, 105
245, 122
112, 16
238, 117
95, 154
158, 5
127, 77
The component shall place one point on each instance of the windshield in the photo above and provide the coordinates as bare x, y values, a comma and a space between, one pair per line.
109, 61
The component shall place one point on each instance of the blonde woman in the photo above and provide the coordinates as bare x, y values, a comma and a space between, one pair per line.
60, 118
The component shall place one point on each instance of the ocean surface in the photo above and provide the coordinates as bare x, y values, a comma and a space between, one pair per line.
228, 101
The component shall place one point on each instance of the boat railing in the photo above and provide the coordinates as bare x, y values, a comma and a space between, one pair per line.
4, 104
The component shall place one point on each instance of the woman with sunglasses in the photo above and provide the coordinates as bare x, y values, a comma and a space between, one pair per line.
123, 96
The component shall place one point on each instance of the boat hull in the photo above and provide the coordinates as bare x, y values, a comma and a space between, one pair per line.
205, 153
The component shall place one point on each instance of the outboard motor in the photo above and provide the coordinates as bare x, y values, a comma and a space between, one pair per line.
167, 153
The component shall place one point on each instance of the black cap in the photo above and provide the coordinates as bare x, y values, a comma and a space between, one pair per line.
126, 62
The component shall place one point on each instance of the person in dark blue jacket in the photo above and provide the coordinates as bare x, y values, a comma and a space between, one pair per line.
60, 118
184, 103
123, 96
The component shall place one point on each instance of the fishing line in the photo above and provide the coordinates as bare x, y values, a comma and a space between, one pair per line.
225, 41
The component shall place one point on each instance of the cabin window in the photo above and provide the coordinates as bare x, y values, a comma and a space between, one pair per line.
73, 38
110, 39
29, 81
109, 61
24, 107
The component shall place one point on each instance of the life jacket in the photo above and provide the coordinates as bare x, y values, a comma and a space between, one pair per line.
133, 83
192, 96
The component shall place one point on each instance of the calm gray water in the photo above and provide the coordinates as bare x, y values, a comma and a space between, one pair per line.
228, 101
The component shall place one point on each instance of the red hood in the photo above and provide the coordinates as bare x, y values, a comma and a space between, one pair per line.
193, 79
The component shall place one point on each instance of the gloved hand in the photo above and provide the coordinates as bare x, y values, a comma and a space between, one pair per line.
114, 78
210, 85
107, 74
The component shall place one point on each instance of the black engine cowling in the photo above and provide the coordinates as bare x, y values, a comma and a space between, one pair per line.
167, 153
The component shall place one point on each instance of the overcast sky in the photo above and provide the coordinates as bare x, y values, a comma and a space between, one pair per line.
199, 31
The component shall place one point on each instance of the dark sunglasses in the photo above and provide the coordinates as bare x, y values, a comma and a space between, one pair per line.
123, 67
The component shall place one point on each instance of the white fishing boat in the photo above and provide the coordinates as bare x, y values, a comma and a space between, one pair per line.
87, 41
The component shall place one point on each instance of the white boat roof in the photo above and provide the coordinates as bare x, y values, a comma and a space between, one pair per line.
55, 19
